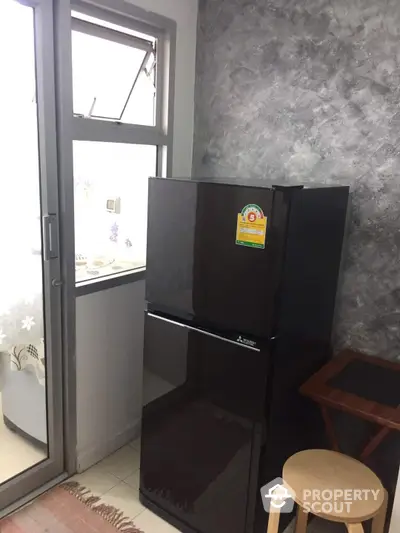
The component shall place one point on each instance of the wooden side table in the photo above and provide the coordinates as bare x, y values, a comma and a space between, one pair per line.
364, 386
312, 473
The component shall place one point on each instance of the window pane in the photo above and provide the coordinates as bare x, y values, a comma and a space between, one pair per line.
111, 206
23, 414
145, 93
104, 73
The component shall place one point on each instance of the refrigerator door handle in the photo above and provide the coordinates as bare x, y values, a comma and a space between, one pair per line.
180, 324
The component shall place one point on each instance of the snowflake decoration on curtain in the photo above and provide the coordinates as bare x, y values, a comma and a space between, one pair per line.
28, 323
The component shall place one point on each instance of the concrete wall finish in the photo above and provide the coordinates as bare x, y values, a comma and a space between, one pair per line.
309, 90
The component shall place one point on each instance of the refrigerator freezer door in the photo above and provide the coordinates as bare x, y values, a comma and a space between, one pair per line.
198, 268
204, 398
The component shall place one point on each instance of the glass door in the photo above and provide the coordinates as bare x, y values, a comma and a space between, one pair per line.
31, 424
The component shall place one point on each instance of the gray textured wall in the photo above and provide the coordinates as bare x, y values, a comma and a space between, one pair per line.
309, 90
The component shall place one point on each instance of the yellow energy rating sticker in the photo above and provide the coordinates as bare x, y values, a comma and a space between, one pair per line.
251, 227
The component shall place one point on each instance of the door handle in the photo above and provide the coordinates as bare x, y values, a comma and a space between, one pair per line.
202, 332
50, 237
56, 282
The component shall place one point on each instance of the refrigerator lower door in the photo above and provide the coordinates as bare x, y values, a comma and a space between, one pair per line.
202, 419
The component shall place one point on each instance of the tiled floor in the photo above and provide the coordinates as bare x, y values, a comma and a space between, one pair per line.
16, 453
116, 481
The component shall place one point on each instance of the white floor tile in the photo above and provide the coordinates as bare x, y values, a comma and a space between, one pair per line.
136, 444
122, 463
133, 480
97, 480
149, 522
124, 498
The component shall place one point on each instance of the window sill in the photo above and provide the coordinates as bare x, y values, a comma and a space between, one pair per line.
101, 284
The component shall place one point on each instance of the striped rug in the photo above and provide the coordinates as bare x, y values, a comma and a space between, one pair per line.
69, 508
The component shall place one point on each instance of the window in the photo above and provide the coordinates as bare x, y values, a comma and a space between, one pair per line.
20, 213
113, 74
122, 136
110, 182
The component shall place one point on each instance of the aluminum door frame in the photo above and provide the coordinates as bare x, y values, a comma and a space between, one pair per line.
41, 474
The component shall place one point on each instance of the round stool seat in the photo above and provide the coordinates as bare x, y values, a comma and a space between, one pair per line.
333, 486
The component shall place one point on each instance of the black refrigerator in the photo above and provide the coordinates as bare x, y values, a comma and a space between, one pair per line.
240, 294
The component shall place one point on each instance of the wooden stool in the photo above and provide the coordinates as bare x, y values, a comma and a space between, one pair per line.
309, 473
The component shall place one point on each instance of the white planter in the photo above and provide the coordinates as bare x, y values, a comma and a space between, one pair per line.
24, 403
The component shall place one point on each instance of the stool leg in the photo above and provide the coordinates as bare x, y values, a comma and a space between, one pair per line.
378, 523
273, 521
301, 521
355, 528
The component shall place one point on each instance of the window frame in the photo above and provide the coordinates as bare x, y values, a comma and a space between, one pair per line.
81, 128
114, 36
91, 28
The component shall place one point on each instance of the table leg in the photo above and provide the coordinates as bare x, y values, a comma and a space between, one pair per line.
378, 523
273, 521
301, 520
374, 443
355, 528
330, 430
